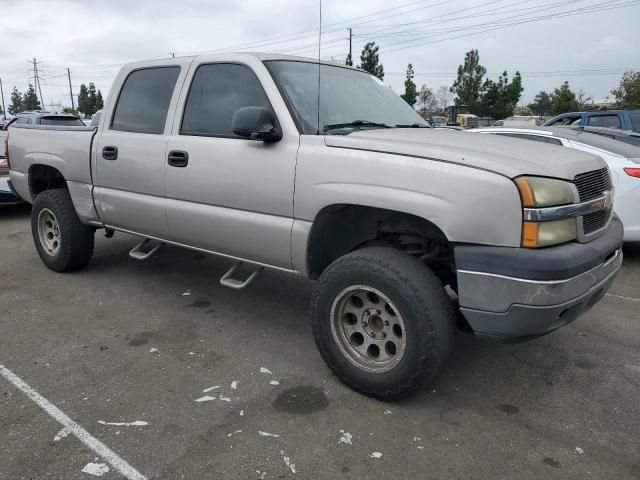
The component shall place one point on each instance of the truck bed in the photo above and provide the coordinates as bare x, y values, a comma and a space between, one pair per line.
67, 149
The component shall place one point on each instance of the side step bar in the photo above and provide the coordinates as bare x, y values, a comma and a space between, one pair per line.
145, 249
227, 279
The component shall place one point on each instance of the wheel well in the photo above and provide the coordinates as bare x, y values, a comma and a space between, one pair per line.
44, 177
340, 229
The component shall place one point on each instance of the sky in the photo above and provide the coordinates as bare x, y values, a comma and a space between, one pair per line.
590, 43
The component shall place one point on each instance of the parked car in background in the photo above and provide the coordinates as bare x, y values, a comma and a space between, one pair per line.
626, 136
623, 160
40, 117
622, 119
520, 121
95, 120
436, 121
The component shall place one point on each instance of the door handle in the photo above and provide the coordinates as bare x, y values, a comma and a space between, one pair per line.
178, 158
110, 153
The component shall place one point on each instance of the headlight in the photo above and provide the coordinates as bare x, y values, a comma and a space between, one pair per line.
544, 192
541, 192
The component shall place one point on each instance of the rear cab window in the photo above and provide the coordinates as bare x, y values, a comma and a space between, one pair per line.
61, 121
144, 100
609, 121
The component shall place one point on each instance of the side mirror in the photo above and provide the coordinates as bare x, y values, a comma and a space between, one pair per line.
256, 123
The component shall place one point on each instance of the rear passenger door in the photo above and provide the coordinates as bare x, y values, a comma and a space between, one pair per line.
130, 151
231, 195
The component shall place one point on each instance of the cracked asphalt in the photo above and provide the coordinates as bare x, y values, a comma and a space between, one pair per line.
126, 341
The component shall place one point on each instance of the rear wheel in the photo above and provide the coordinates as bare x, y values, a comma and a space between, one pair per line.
62, 241
382, 322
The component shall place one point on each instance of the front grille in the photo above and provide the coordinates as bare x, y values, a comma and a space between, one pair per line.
592, 184
595, 221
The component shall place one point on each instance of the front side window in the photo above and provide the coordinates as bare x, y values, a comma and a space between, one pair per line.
349, 99
609, 121
144, 100
217, 91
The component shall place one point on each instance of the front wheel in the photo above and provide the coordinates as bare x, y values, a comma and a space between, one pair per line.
382, 322
63, 242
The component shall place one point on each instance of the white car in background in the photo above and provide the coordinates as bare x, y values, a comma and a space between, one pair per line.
623, 160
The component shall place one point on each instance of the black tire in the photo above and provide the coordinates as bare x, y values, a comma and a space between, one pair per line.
426, 310
76, 239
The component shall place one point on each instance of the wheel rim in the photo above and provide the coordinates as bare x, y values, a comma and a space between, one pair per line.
49, 232
368, 329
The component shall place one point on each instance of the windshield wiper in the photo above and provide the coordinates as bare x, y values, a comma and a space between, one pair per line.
413, 125
355, 123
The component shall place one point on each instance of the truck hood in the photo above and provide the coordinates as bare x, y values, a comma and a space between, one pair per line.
506, 156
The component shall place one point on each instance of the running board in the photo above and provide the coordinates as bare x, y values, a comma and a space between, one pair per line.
228, 281
145, 249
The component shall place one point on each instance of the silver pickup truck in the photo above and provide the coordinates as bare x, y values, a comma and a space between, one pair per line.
323, 171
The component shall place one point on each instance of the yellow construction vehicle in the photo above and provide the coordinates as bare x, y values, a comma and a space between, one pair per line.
461, 116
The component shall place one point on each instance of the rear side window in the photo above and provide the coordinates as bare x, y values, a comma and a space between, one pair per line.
216, 92
144, 100
568, 120
634, 118
554, 141
610, 121
62, 121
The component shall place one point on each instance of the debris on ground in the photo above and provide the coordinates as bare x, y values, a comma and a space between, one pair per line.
187, 293
233, 433
387, 412
579, 450
265, 370
287, 462
375, 455
267, 434
96, 469
210, 388
274, 382
61, 434
346, 438
137, 423
234, 385
224, 399
206, 398
153, 350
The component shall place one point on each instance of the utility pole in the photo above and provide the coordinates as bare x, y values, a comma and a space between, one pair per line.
173, 55
4, 109
350, 37
73, 107
36, 80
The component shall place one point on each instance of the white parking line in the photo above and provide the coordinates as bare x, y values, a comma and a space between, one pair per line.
631, 299
85, 437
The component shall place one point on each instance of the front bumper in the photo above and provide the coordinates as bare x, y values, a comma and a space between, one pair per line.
522, 293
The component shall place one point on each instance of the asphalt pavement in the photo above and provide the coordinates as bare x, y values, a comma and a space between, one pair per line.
179, 377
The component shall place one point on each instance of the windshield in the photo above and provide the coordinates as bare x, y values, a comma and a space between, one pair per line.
349, 100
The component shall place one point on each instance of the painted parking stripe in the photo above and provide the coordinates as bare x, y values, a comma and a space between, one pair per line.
85, 437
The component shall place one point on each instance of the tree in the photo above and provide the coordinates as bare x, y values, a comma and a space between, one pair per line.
71, 111
89, 100
584, 101
84, 104
99, 102
370, 62
499, 99
349, 60
410, 91
542, 104
628, 92
443, 95
30, 100
468, 85
16, 102
427, 101
564, 100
